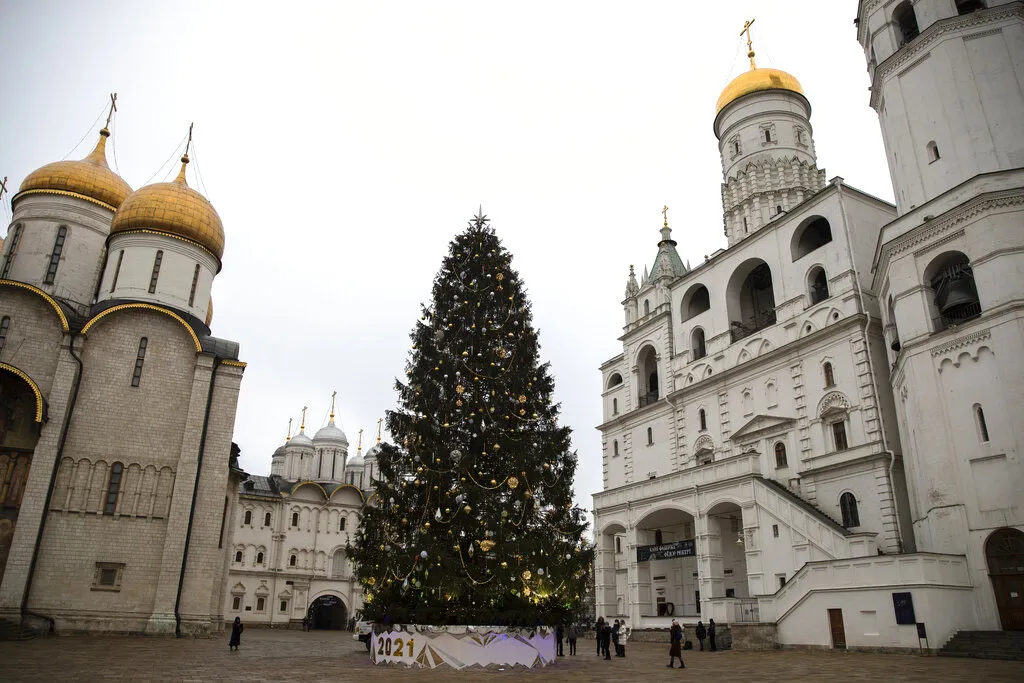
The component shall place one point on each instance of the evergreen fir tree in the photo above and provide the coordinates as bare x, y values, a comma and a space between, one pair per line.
472, 521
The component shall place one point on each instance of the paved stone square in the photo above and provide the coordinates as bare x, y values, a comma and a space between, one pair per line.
333, 656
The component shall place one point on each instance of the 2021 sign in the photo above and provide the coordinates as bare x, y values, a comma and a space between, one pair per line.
394, 647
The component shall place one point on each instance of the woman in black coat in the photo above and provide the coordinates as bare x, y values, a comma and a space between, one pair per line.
236, 634
675, 649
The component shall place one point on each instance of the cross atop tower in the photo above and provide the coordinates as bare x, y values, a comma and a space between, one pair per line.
750, 42
302, 427
333, 394
113, 108
288, 436
664, 213
189, 143
379, 422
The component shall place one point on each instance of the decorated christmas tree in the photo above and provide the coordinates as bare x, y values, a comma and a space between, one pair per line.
472, 521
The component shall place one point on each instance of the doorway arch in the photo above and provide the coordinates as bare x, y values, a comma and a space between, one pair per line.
1004, 552
21, 413
328, 612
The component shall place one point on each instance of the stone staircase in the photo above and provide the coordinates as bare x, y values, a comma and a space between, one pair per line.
985, 645
10, 630
800, 500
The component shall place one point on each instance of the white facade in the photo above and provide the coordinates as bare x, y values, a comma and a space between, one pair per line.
752, 411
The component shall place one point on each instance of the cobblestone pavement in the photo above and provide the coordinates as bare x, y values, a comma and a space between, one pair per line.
333, 656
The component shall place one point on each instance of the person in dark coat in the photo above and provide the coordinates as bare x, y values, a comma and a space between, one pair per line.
675, 649
560, 638
711, 634
615, 636
606, 639
701, 634
597, 634
573, 633
236, 634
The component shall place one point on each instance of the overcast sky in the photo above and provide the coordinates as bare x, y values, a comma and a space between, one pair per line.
345, 143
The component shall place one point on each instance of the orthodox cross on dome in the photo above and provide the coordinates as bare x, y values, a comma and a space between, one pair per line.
288, 436
189, 143
359, 448
333, 394
184, 160
379, 423
3, 187
302, 427
750, 42
664, 213
479, 220
113, 108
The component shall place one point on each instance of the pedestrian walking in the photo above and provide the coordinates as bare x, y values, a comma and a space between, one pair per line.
559, 638
702, 633
675, 648
711, 634
574, 632
236, 634
606, 640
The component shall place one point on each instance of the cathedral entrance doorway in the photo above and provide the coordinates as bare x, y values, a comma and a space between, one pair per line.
666, 566
19, 433
328, 612
1004, 551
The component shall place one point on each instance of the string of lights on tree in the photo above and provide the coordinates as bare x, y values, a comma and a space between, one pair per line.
472, 520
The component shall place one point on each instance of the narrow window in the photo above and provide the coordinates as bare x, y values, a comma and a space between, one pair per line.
5, 324
968, 6
11, 251
238, 556
767, 135
117, 270
618, 544
284, 605
839, 434
933, 152
113, 488
780, 455
341, 524
703, 420
259, 558
830, 378
292, 560
261, 604
248, 517
736, 147
647, 307
295, 519
156, 270
782, 582
745, 227
650, 436
615, 406
266, 519
778, 209
979, 414
848, 506
615, 449
139, 360
775, 530
699, 347
236, 603
658, 537
58, 247
906, 23
223, 521
195, 281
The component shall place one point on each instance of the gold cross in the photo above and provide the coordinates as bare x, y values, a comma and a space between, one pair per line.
359, 448
333, 394
302, 427
3, 186
750, 41
664, 213
288, 436
189, 144
378, 428
113, 108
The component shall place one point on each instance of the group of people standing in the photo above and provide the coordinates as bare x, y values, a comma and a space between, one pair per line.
562, 633
611, 634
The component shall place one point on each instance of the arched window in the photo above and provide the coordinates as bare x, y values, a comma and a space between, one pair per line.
248, 517
292, 560
615, 449
140, 358
195, 282
156, 270
906, 23
341, 524
12, 251
815, 233
780, 455
615, 406
113, 488
658, 539
117, 270
615, 380
5, 324
968, 6
955, 298
647, 307
778, 209
58, 247
767, 135
933, 152
848, 506
650, 436
818, 286
697, 344
894, 332
259, 558
830, 377
698, 302
648, 377
703, 419
261, 604
979, 416
295, 519
266, 519
238, 556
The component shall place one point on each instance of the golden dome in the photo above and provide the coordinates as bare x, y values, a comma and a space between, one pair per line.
89, 178
173, 209
757, 80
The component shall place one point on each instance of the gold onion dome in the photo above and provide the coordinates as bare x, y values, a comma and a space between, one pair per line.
172, 209
757, 80
89, 178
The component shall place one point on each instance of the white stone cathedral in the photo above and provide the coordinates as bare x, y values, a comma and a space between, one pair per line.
117, 404
813, 429
288, 559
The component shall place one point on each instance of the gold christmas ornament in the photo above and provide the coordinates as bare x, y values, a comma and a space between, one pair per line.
467, 509
522, 398
527, 575
486, 545
458, 402
499, 277
526, 591
497, 447
513, 482
504, 565
459, 389
522, 411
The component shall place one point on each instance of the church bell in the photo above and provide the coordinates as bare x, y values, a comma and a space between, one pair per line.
955, 289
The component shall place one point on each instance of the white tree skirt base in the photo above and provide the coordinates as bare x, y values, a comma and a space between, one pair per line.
461, 647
